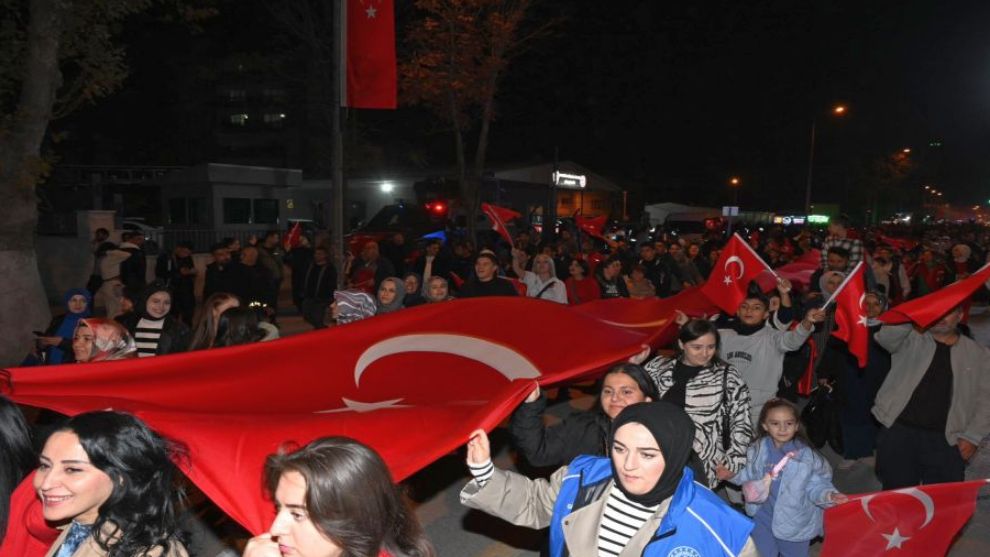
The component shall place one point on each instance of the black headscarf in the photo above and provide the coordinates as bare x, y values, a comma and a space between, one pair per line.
674, 433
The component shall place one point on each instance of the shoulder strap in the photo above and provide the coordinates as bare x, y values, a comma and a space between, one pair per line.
544, 289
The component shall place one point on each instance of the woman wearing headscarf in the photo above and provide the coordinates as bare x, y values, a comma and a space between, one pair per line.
155, 330
99, 340
639, 500
856, 386
437, 289
391, 292
351, 305
56, 342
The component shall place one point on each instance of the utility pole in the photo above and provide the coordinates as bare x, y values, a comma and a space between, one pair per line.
337, 152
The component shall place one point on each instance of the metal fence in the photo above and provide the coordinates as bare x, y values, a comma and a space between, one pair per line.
202, 240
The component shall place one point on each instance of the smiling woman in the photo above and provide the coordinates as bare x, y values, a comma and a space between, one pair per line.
107, 479
641, 499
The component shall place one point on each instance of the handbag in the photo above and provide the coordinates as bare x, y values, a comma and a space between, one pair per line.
757, 491
821, 418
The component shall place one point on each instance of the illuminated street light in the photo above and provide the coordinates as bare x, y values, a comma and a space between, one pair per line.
734, 181
387, 187
839, 110
906, 150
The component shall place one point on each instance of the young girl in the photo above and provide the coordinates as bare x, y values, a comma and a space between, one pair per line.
791, 516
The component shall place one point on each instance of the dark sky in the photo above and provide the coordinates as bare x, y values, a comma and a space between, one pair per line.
675, 96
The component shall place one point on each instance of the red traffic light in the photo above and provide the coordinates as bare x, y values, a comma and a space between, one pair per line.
437, 207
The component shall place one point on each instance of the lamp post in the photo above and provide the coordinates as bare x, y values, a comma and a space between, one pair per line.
734, 183
838, 110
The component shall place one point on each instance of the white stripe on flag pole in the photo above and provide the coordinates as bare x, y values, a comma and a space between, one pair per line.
756, 255
841, 286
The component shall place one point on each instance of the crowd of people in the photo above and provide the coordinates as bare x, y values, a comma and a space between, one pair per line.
676, 447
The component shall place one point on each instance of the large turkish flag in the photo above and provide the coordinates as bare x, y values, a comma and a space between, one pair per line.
928, 309
412, 385
736, 267
911, 522
371, 72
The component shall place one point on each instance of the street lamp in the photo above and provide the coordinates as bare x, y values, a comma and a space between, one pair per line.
838, 111
734, 183
906, 150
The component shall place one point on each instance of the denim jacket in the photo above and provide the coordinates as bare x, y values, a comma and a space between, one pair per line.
805, 485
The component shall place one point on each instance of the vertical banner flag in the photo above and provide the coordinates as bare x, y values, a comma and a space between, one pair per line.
850, 315
736, 267
911, 522
928, 309
499, 216
369, 67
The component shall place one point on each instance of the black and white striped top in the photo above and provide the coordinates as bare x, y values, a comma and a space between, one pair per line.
146, 336
620, 522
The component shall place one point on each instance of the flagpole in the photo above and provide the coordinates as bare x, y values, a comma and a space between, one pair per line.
756, 255
337, 152
841, 286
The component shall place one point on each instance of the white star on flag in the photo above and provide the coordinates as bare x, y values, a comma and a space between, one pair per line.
863, 321
895, 539
362, 407
372, 12
727, 280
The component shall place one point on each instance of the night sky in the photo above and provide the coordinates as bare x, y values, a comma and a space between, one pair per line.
670, 97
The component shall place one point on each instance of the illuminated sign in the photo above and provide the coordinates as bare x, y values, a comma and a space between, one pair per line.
818, 219
562, 180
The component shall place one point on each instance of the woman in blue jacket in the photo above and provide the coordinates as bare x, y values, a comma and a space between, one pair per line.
792, 513
640, 500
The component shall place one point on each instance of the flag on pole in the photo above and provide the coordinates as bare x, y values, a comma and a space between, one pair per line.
736, 267
592, 226
928, 309
368, 64
850, 315
499, 216
911, 522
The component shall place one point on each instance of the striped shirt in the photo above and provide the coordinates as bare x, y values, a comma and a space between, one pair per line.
146, 336
620, 522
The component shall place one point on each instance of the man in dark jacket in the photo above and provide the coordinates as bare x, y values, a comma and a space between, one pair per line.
486, 281
134, 269
221, 275
178, 272
318, 284
253, 282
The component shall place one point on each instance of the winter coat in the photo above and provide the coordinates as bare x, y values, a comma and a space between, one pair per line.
694, 521
709, 408
582, 433
175, 334
805, 485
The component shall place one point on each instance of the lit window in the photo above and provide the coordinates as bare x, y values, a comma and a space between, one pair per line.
236, 94
239, 119
274, 120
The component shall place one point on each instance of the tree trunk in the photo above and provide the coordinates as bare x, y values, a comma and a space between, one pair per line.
464, 185
24, 307
481, 152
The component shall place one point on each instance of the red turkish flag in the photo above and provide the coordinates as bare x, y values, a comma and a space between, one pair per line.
370, 73
499, 216
412, 385
850, 315
736, 267
292, 240
653, 317
798, 272
915, 521
928, 309
592, 226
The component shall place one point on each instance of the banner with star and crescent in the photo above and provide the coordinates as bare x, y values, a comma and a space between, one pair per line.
412, 385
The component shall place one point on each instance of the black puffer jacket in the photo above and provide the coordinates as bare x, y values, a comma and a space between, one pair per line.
584, 433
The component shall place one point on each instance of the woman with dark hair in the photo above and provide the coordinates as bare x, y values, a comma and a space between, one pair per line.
436, 290
108, 479
581, 286
16, 455
56, 342
610, 281
640, 500
155, 331
413, 287
711, 392
99, 340
335, 497
582, 433
205, 331
236, 326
